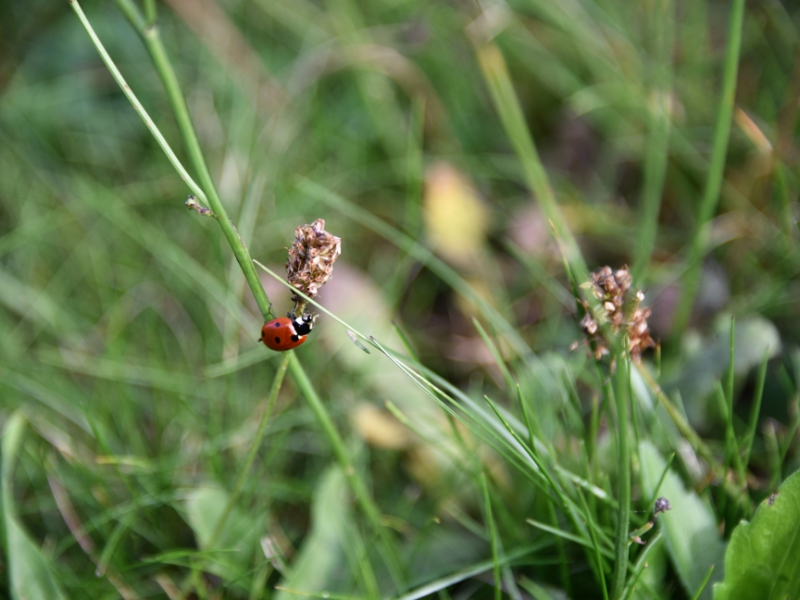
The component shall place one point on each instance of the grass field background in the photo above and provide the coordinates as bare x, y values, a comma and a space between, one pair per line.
478, 160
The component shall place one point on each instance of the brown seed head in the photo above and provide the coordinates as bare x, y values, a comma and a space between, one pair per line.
620, 308
311, 258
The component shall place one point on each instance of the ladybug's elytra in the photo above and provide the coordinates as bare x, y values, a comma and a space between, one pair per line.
285, 333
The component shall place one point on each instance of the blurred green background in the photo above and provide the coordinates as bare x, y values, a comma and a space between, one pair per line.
130, 374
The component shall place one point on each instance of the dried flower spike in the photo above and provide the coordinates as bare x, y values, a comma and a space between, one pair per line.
311, 259
620, 309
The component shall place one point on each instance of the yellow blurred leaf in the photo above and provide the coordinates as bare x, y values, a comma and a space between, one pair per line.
379, 428
456, 220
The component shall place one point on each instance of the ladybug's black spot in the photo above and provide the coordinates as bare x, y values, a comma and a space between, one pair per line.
277, 324
295, 338
277, 340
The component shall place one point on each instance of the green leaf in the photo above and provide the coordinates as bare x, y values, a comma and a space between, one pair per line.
763, 558
321, 558
238, 539
29, 570
693, 542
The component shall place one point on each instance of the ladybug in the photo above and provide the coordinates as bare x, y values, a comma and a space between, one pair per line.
285, 333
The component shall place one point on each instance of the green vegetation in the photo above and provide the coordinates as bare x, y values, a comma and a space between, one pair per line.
456, 425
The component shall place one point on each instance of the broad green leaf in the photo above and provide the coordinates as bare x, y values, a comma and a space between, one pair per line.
693, 542
238, 539
30, 572
763, 557
321, 557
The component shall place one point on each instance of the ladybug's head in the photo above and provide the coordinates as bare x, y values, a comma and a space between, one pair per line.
304, 323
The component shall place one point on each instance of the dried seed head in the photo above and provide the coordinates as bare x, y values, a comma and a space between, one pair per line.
311, 259
619, 308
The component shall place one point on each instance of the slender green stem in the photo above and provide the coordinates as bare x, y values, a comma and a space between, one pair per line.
756, 409
734, 449
342, 455
150, 10
495, 73
624, 477
598, 558
641, 565
657, 148
498, 588
161, 61
715, 171
251, 454
173, 159
149, 32
704, 583
498, 80
132, 13
731, 366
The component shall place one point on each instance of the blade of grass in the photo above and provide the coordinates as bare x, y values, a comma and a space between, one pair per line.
691, 436
774, 460
569, 537
412, 213
251, 453
28, 571
578, 513
620, 400
755, 410
540, 275
477, 422
704, 584
716, 169
734, 448
794, 425
498, 588
155, 47
463, 574
661, 25
640, 566
498, 357
532, 425
598, 563
151, 126
342, 455
495, 73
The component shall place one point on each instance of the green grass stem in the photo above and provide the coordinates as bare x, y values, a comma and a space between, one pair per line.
641, 565
715, 174
255, 445
495, 73
487, 503
151, 126
662, 27
755, 409
620, 400
354, 480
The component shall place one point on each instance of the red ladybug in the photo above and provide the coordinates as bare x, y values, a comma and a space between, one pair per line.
285, 333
